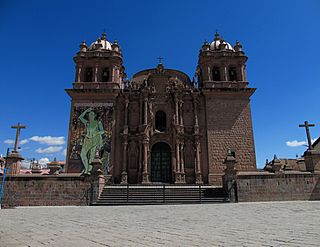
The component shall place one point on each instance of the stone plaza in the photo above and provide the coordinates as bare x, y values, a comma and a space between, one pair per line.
252, 224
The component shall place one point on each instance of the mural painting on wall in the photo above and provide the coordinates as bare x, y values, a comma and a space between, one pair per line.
91, 132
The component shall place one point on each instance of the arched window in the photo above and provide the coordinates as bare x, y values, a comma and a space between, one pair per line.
88, 75
216, 74
105, 75
161, 121
232, 74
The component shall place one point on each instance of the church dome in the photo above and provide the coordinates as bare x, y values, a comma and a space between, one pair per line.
101, 43
218, 41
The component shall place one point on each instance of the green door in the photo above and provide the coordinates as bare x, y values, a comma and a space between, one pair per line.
161, 163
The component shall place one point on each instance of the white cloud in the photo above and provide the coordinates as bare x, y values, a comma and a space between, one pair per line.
49, 140
64, 152
25, 141
25, 164
295, 143
9, 141
49, 150
43, 161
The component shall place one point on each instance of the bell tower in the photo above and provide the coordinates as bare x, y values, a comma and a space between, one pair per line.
222, 81
219, 62
98, 82
100, 63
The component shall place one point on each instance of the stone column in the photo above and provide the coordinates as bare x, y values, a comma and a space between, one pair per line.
96, 73
180, 112
243, 73
145, 174
182, 158
116, 74
141, 117
145, 111
198, 164
140, 162
226, 76
126, 111
113, 73
78, 75
183, 177
178, 164
124, 174
177, 111
178, 157
209, 73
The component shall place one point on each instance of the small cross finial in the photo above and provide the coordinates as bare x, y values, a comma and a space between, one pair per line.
160, 59
104, 35
306, 125
216, 35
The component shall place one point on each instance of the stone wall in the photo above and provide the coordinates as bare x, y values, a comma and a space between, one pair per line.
229, 126
286, 186
47, 190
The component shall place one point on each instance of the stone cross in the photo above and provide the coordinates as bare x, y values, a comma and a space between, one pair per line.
307, 125
160, 59
18, 127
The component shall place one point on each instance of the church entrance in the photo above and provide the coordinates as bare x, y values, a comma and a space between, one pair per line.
161, 163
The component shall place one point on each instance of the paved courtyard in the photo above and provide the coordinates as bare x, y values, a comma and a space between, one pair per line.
243, 224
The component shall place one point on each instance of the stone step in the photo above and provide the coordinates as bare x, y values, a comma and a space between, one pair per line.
159, 194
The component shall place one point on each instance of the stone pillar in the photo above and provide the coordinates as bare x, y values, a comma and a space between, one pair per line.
126, 111
209, 73
145, 111
140, 162
183, 177
113, 73
116, 74
226, 76
145, 174
124, 174
229, 178
13, 163
141, 117
195, 114
312, 160
78, 75
178, 157
243, 73
96, 73
180, 112
198, 164
173, 161
177, 111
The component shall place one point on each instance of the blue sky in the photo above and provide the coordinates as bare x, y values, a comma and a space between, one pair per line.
39, 39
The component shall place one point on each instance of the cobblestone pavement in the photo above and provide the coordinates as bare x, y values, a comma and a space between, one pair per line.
242, 224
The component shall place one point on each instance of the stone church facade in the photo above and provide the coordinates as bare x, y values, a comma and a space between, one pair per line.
160, 126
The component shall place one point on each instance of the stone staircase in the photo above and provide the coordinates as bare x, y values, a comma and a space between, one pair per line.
160, 194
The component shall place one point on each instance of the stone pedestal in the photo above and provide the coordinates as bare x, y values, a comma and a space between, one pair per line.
229, 178
124, 178
180, 178
96, 165
145, 178
199, 178
13, 163
312, 160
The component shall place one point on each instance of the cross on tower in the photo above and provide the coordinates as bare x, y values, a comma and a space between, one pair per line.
307, 125
160, 59
18, 127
